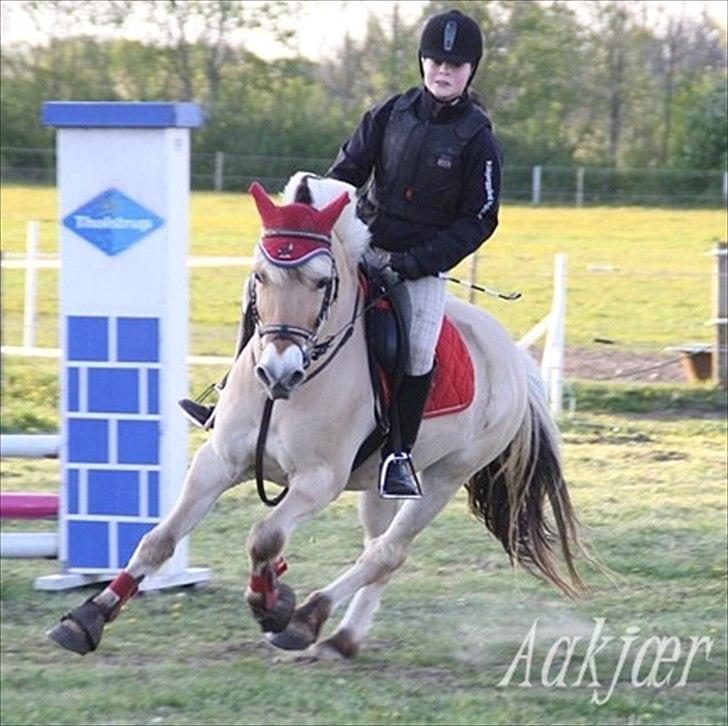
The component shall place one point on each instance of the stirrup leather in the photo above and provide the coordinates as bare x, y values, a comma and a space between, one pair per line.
406, 486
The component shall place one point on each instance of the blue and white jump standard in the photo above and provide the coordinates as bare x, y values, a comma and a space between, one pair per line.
123, 181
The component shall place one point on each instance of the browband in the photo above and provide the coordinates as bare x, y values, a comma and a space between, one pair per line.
296, 233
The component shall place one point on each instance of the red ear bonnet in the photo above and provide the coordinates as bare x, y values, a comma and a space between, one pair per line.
294, 233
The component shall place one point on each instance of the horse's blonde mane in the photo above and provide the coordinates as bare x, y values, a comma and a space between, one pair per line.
351, 232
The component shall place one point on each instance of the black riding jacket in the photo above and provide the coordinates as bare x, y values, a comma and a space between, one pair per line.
434, 173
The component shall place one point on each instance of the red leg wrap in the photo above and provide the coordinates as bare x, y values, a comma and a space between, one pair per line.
266, 582
124, 586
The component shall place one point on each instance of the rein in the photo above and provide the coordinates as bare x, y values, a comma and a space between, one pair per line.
346, 331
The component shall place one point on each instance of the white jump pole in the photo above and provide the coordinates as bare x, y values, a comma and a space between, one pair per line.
552, 363
28, 545
123, 178
30, 446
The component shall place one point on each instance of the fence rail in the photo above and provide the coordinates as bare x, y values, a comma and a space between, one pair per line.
541, 184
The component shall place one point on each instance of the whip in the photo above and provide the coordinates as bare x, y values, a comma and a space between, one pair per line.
486, 290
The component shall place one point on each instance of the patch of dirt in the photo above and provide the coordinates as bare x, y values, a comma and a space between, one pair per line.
610, 363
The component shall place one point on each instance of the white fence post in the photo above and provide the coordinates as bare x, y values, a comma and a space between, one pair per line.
536, 185
31, 283
552, 363
720, 312
580, 186
219, 170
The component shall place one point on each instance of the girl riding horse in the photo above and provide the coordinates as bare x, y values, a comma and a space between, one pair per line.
432, 200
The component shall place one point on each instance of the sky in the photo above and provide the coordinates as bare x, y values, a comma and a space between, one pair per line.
321, 25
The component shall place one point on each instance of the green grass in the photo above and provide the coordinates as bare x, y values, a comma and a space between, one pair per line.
647, 471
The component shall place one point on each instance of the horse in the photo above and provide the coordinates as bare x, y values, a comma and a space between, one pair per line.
309, 351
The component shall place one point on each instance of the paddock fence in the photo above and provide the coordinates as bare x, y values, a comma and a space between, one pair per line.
539, 184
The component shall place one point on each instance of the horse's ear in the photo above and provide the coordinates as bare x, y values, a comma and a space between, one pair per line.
262, 201
331, 212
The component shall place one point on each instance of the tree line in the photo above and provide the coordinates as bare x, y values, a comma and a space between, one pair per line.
593, 84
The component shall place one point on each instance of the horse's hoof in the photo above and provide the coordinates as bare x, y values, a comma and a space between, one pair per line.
277, 618
290, 639
340, 645
80, 630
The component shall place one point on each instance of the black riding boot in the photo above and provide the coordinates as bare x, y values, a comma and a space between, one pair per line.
397, 476
201, 414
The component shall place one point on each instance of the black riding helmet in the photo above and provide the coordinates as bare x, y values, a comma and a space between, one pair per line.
451, 36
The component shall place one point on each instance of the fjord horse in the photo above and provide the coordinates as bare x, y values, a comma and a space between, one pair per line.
309, 349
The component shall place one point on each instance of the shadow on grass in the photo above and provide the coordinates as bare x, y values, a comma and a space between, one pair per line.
655, 400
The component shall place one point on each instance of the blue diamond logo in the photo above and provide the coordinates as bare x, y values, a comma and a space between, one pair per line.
112, 222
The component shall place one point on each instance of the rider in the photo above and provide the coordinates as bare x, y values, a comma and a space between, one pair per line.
432, 199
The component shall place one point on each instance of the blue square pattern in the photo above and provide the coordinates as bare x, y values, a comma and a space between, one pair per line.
72, 490
88, 544
112, 222
113, 390
72, 389
138, 442
153, 493
129, 535
152, 391
113, 492
87, 337
88, 440
137, 340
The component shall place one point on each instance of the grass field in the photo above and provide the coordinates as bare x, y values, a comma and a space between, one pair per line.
647, 470
639, 277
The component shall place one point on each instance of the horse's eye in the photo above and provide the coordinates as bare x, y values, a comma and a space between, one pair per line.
323, 282
257, 277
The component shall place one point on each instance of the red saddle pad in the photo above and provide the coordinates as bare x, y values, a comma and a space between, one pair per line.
453, 387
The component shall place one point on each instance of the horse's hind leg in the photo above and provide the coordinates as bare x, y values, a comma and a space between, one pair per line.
376, 515
81, 629
386, 553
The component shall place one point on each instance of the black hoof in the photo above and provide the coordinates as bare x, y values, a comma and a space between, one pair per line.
290, 639
277, 618
80, 630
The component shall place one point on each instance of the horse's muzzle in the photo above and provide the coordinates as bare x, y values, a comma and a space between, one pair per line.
280, 372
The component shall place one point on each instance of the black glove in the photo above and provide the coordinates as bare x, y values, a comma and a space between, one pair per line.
405, 264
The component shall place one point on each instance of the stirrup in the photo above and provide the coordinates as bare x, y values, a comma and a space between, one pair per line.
398, 478
196, 413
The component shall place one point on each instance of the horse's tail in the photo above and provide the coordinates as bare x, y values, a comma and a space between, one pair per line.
509, 495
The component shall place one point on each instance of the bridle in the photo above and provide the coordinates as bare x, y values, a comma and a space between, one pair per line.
305, 339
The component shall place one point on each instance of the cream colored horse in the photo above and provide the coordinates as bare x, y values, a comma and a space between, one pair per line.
503, 448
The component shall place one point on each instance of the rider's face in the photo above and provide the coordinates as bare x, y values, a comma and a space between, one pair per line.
446, 81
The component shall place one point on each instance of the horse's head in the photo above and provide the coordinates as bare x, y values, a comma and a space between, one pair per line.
294, 283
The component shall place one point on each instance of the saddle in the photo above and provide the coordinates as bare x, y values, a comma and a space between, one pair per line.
387, 306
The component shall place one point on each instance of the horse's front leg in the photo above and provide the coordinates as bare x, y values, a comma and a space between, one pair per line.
271, 602
80, 630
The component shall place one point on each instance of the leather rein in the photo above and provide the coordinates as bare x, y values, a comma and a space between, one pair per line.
306, 340
346, 332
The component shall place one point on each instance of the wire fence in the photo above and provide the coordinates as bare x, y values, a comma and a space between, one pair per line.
579, 186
